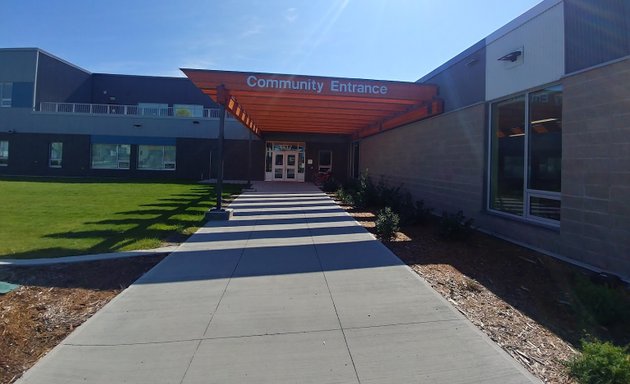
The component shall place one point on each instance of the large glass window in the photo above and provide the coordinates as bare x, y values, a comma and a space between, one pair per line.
526, 144
6, 91
4, 153
156, 157
111, 156
55, 155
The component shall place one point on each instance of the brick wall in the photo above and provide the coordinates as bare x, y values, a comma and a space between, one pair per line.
440, 160
443, 161
595, 226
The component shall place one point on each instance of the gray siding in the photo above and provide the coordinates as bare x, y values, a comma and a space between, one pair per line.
462, 80
58, 81
84, 124
596, 31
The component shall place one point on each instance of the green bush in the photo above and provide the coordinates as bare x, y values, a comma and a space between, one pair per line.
454, 226
422, 213
365, 195
330, 185
386, 196
387, 223
345, 196
600, 363
405, 209
605, 305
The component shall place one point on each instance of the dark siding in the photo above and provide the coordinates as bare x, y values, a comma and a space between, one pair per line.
340, 158
28, 154
22, 96
60, 82
462, 80
193, 158
235, 166
131, 90
596, 31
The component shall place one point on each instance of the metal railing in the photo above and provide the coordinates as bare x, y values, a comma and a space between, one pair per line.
129, 110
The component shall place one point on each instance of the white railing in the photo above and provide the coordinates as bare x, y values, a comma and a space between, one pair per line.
129, 110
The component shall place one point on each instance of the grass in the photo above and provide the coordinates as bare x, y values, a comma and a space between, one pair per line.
62, 217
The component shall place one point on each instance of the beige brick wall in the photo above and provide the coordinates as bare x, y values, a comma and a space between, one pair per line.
440, 160
443, 161
595, 226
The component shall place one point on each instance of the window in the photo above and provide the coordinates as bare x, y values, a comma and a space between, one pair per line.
54, 158
325, 161
153, 109
111, 156
156, 157
4, 153
526, 154
6, 91
188, 110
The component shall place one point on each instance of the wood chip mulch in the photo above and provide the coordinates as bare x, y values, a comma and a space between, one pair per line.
54, 300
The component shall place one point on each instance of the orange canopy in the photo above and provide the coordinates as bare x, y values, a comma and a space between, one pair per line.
267, 102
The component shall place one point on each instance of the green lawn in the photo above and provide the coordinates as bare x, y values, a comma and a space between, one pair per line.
62, 217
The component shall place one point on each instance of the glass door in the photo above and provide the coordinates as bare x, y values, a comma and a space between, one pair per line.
278, 166
285, 166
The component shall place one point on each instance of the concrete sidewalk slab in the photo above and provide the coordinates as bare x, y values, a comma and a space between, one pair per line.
313, 357
292, 290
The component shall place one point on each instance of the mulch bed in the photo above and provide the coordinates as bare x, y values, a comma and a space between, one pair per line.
518, 297
54, 300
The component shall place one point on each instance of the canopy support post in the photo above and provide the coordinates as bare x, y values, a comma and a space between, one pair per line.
218, 213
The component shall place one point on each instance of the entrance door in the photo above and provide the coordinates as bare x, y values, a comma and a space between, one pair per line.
285, 165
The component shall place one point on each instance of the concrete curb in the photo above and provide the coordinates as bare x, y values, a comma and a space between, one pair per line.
83, 258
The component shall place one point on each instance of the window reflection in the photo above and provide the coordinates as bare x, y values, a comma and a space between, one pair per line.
508, 122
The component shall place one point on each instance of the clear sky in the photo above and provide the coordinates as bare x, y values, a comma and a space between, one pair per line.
377, 39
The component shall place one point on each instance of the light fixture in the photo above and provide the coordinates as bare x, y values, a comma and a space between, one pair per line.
544, 120
517, 135
512, 56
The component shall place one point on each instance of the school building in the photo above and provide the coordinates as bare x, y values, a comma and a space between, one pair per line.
527, 131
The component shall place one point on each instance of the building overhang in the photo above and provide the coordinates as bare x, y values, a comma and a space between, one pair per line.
280, 103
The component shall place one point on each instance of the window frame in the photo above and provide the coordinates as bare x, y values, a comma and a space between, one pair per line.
50, 155
528, 193
4, 161
6, 101
319, 158
117, 157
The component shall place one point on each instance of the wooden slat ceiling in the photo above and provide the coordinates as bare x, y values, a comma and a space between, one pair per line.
267, 102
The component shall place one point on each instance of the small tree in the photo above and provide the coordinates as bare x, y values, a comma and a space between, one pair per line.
387, 224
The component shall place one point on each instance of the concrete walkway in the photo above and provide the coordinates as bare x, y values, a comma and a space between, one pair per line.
292, 290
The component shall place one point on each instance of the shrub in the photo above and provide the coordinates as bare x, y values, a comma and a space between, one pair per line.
600, 363
387, 196
330, 185
605, 305
406, 209
386, 223
365, 195
454, 226
422, 213
345, 196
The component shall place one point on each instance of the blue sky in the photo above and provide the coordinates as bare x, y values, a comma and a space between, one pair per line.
378, 39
